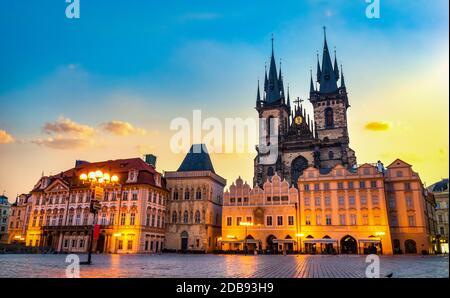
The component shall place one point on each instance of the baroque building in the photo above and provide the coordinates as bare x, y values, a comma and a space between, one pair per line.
131, 218
19, 219
194, 209
440, 191
272, 211
4, 215
301, 142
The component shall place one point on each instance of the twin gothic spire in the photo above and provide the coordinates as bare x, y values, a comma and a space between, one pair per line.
327, 75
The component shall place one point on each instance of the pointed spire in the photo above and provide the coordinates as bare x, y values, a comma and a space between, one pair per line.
265, 77
273, 87
328, 78
319, 72
311, 87
288, 99
258, 97
336, 67
342, 78
280, 83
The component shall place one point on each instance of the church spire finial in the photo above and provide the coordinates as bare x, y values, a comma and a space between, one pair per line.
336, 67
328, 76
342, 78
319, 72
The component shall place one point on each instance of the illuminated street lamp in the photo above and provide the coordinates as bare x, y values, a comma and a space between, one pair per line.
246, 225
380, 234
299, 244
97, 181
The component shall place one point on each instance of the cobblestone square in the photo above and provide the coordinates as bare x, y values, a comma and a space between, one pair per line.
234, 266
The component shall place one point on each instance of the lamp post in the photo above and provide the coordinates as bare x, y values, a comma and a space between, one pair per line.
97, 181
245, 224
299, 244
380, 234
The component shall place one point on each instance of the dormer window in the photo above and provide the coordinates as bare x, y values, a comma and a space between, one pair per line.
132, 175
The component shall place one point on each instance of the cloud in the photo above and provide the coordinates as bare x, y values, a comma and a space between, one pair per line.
121, 128
65, 125
66, 134
377, 126
5, 138
60, 142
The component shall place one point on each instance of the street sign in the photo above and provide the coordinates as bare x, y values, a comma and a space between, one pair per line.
98, 193
95, 206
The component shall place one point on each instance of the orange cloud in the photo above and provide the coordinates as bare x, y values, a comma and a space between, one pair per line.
60, 142
65, 125
377, 126
121, 128
5, 137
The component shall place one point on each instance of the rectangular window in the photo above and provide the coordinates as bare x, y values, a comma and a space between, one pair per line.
318, 220
122, 219
112, 218
306, 201
392, 203
134, 196
113, 196
353, 219
290, 220
248, 219
316, 186
341, 201
132, 218
308, 220
375, 201
326, 186
411, 220
306, 187
229, 221
365, 219
120, 245
130, 244
125, 196
269, 221
340, 185
317, 203
328, 219
351, 200
350, 185
342, 219
373, 184
407, 186
327, 201
362, 184
377, 220
363, 200
279, 220
409, 202
238, 220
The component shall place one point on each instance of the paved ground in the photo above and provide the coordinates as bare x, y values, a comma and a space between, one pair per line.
173, 265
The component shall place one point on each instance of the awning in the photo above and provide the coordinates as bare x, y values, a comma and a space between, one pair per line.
327, 241
249, 241
370, 240
283, 241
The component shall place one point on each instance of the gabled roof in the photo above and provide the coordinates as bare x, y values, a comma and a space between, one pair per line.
398, 163
197, 159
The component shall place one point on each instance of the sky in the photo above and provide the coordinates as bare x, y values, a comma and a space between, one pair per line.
108, 84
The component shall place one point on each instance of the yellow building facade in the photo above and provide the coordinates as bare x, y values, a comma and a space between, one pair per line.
260, 219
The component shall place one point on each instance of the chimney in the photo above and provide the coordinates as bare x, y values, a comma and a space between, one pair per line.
150, 159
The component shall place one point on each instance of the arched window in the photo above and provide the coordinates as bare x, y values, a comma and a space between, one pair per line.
197, 217
198, 194
174, 217
329, 121
185, 217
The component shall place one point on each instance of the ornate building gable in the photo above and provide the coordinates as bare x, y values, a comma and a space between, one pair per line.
57, 185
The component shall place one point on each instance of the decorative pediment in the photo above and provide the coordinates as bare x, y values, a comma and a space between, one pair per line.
57, 186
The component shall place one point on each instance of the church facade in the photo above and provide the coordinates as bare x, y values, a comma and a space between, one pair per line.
321, 141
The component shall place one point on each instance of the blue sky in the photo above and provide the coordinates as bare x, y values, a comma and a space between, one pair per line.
146, 62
